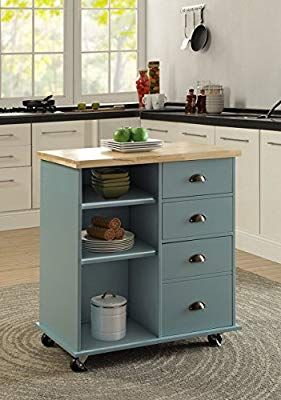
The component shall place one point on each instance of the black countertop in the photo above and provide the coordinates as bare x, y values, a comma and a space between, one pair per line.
174, 112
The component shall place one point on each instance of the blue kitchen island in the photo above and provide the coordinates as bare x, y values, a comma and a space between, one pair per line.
179, 278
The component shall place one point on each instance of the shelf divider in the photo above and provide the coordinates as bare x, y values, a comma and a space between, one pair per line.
135, 196
140, 250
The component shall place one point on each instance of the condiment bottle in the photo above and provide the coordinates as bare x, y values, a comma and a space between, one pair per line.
190, 107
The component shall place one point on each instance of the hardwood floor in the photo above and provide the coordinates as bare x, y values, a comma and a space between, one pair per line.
19, 259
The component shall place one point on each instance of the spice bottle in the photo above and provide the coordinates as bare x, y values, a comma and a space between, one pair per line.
190, 107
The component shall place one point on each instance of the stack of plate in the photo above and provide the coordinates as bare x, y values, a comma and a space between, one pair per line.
133, 147
110, 182
215, 104
94, 245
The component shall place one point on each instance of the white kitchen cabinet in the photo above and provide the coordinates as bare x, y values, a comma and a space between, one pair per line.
195, 133
108, 126
15, 135
15, 156
53, 136
270, 185
15, 189
171, 132
247, 175
161, 130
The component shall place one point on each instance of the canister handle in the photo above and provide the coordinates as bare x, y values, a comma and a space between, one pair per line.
108, 294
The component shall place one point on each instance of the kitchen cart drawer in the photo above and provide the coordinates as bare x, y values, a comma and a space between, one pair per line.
197, 305
15, 156
15, 189
195, 178
197, 217
15, 135
197, 257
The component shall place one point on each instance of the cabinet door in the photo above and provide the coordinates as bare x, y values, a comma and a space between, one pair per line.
161, 130
108, 126
53, 136
270, 185
247, 175
193, 133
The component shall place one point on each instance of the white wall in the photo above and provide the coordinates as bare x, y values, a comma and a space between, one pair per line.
244, 53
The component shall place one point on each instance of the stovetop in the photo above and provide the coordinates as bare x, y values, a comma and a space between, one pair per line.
46, 105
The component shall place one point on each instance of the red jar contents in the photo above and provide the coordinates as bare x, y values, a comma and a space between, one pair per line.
143, 86
154, 76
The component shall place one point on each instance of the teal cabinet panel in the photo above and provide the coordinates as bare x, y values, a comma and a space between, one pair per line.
197, 217
197, 178
197, 257
215, 294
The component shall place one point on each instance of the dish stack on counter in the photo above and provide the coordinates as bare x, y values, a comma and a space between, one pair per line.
214, 99
106, 235
110, 182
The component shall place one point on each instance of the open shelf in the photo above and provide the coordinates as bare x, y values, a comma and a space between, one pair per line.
140, 249
136, 333
135, 196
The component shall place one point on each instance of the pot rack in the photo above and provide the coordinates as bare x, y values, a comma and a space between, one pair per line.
185, 10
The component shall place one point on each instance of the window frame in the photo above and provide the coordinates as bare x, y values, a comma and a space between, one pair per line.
67, 97
72, 60
141, 58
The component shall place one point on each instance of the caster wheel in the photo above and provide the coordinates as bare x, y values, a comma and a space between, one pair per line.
77, 366
215, 340
46, 341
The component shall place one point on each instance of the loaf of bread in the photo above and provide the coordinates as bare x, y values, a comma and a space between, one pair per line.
119, 233
104, 222
101, 233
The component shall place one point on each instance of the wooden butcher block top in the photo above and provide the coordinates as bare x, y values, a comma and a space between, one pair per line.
103, 157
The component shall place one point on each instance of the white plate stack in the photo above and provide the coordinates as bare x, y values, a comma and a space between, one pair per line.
94, 245
215, 104
214, 99
133, 147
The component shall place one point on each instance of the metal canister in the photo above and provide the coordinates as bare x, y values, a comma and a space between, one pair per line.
108, 316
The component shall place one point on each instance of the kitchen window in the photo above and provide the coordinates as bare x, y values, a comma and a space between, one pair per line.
74, 49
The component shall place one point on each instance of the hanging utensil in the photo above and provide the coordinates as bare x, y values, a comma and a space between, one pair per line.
186, 39
199, 37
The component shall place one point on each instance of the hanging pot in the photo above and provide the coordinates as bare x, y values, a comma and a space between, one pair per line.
200, 35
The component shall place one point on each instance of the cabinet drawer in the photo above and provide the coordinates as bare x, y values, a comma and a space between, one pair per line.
179, 299
195, 178
15, 189
15, 135
194, 133
197, 257
197, 217
161, 130
15, 156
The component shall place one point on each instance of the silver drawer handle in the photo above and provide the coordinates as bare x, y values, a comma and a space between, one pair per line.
235, 140
8, 181
157, 130
193, 134
56, 132
197, 178
3, 157
7, 135
198, 218
274, 144
197, 306
197, 259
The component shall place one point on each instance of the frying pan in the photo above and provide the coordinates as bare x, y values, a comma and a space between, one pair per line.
199, 36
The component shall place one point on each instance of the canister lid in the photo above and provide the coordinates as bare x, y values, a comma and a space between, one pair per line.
108, 300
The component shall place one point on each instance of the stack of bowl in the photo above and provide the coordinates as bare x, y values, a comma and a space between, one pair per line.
214, 99
110, 182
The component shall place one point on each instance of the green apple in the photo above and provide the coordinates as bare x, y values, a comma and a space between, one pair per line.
139, 135
122, 135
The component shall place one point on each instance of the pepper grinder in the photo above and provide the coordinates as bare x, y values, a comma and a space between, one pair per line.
190, 107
